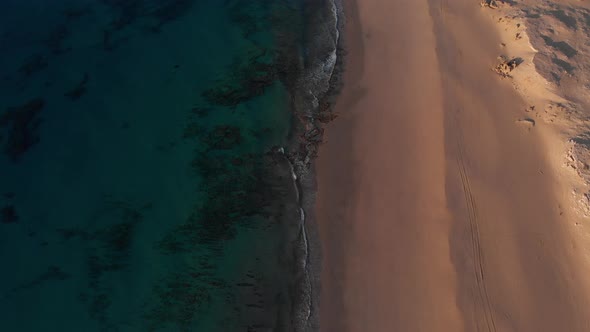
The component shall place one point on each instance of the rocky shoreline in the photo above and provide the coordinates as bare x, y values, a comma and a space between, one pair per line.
313, 92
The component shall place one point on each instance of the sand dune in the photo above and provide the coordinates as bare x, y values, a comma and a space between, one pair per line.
438, 209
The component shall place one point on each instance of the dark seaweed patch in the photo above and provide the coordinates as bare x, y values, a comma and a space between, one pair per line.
192, 130
251, 17
79, 90
107, 44
8, 215
170, 10
239, 192
117, 238
76, 12
234, 196
98, 307
248, 23
201, 112
108, 251
223, 137
243, 81
133, 12
33, 65
53, 273
182, 295
22, 123
241, 184
72, 233
129, 12
56, 38
166, 147
288, 65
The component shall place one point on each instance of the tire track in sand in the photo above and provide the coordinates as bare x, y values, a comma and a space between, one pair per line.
477, 254
481, 292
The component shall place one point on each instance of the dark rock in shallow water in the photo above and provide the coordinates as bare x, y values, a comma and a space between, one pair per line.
192, 130
56, 37
53, 273
243, 82
128, 12
76, 12
22, 123
224, 137
34, 64
118, 238
201, 112
169, 11
79, 90
107, 44
181, 298
8, 215
109, 250
98, 307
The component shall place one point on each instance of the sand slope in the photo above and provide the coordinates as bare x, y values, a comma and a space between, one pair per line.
444, 216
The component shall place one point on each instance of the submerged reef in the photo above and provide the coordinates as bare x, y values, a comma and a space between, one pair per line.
245, 189
108, 250
74, 13
245, 194
245, 80
154, 14
34, 64
183, 295
22, 126
79, 90
56, 38
223, 137
52, 273
240, 191
167, 11
8, 215
160, 12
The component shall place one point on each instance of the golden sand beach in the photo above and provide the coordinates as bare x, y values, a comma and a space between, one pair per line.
451, 198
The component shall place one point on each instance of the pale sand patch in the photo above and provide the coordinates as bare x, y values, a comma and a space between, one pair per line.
554, 80
553, 39
438, 210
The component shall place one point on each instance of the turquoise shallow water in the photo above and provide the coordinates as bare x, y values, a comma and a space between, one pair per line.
139, 190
